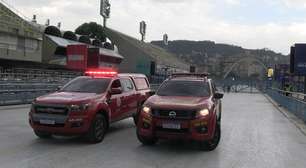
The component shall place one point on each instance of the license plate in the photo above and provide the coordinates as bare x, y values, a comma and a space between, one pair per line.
48, 122
171, 126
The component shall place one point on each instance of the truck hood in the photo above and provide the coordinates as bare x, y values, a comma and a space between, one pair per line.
177, 102
65, 97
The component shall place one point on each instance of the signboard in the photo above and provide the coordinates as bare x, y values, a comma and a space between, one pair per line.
299, 59
143, 27
105, 8
142, 30
165, 39
270, 72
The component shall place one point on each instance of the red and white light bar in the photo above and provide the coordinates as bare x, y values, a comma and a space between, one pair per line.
100, 73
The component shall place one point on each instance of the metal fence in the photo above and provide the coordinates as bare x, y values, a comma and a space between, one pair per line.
290, 101
23, 93
22, 85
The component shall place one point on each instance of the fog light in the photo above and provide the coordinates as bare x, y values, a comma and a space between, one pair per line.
202, 129
146, 125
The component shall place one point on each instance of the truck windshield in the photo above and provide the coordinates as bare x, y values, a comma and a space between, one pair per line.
184, 88
87, 85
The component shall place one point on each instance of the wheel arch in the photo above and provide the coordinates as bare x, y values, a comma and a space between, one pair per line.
106, 114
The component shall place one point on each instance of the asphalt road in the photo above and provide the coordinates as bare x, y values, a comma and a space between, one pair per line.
254, 135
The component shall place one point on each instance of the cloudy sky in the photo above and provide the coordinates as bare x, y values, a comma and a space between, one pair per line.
274, 24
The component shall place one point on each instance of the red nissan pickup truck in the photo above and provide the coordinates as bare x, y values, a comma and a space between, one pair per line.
186, 106
87, 105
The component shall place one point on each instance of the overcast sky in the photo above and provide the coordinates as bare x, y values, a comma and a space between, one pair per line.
274, 24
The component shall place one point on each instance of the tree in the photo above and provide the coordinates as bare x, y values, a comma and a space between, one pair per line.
93, 30
54, 31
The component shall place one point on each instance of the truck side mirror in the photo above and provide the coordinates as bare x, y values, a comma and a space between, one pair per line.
115, 91
151, 93
58, 88
218, 95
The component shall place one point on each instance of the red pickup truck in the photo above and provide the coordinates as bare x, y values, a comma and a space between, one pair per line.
186, 106
87, 105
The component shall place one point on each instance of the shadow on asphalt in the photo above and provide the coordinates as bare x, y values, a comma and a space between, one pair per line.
173, 146
79, 140
169, 146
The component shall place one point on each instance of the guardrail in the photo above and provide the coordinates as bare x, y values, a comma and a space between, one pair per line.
291, 103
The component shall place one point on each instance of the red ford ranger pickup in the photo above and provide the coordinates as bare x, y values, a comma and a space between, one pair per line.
87, 105
186, 106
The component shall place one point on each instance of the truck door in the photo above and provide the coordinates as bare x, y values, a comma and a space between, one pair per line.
115, 102
130, 99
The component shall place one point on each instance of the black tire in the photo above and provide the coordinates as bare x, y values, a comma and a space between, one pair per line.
43, 135
146, 140
97, 129
213, 143
136, 118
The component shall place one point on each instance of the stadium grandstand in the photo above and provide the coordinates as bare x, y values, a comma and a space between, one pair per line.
146, 58
26, 44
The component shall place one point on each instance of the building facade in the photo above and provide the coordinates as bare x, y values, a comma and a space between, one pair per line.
19, 39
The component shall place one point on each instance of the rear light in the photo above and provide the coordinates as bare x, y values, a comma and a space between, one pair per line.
100, 73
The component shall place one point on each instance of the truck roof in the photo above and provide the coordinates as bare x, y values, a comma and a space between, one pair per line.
132, 75
189, 76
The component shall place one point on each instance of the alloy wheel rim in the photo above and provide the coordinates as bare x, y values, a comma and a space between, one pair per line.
99, 129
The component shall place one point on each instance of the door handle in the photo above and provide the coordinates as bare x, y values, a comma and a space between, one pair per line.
109, 101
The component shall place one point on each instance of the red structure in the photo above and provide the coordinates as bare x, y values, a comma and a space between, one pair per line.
82, 57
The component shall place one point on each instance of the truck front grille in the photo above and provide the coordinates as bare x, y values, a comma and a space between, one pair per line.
49, 109
165, 130
179, 114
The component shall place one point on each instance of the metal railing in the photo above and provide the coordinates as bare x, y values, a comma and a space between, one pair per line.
23, 93
290, 101
22, 85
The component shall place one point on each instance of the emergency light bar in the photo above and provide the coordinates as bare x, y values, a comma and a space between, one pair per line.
202, 75
100, 73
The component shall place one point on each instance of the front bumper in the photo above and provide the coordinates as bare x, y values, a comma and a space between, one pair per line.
197, 129
63, 125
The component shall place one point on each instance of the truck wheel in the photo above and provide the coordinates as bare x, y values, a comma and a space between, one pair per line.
213, 143
97, 129
146, 140
43, 135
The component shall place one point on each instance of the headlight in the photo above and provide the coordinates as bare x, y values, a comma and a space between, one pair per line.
203, 113
79, 108
146, 110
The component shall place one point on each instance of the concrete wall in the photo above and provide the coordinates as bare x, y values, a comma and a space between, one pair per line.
20, 48
139, 55
135, 60
49, 48
19, 39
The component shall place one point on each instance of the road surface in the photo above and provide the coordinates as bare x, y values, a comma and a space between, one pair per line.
254, 135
